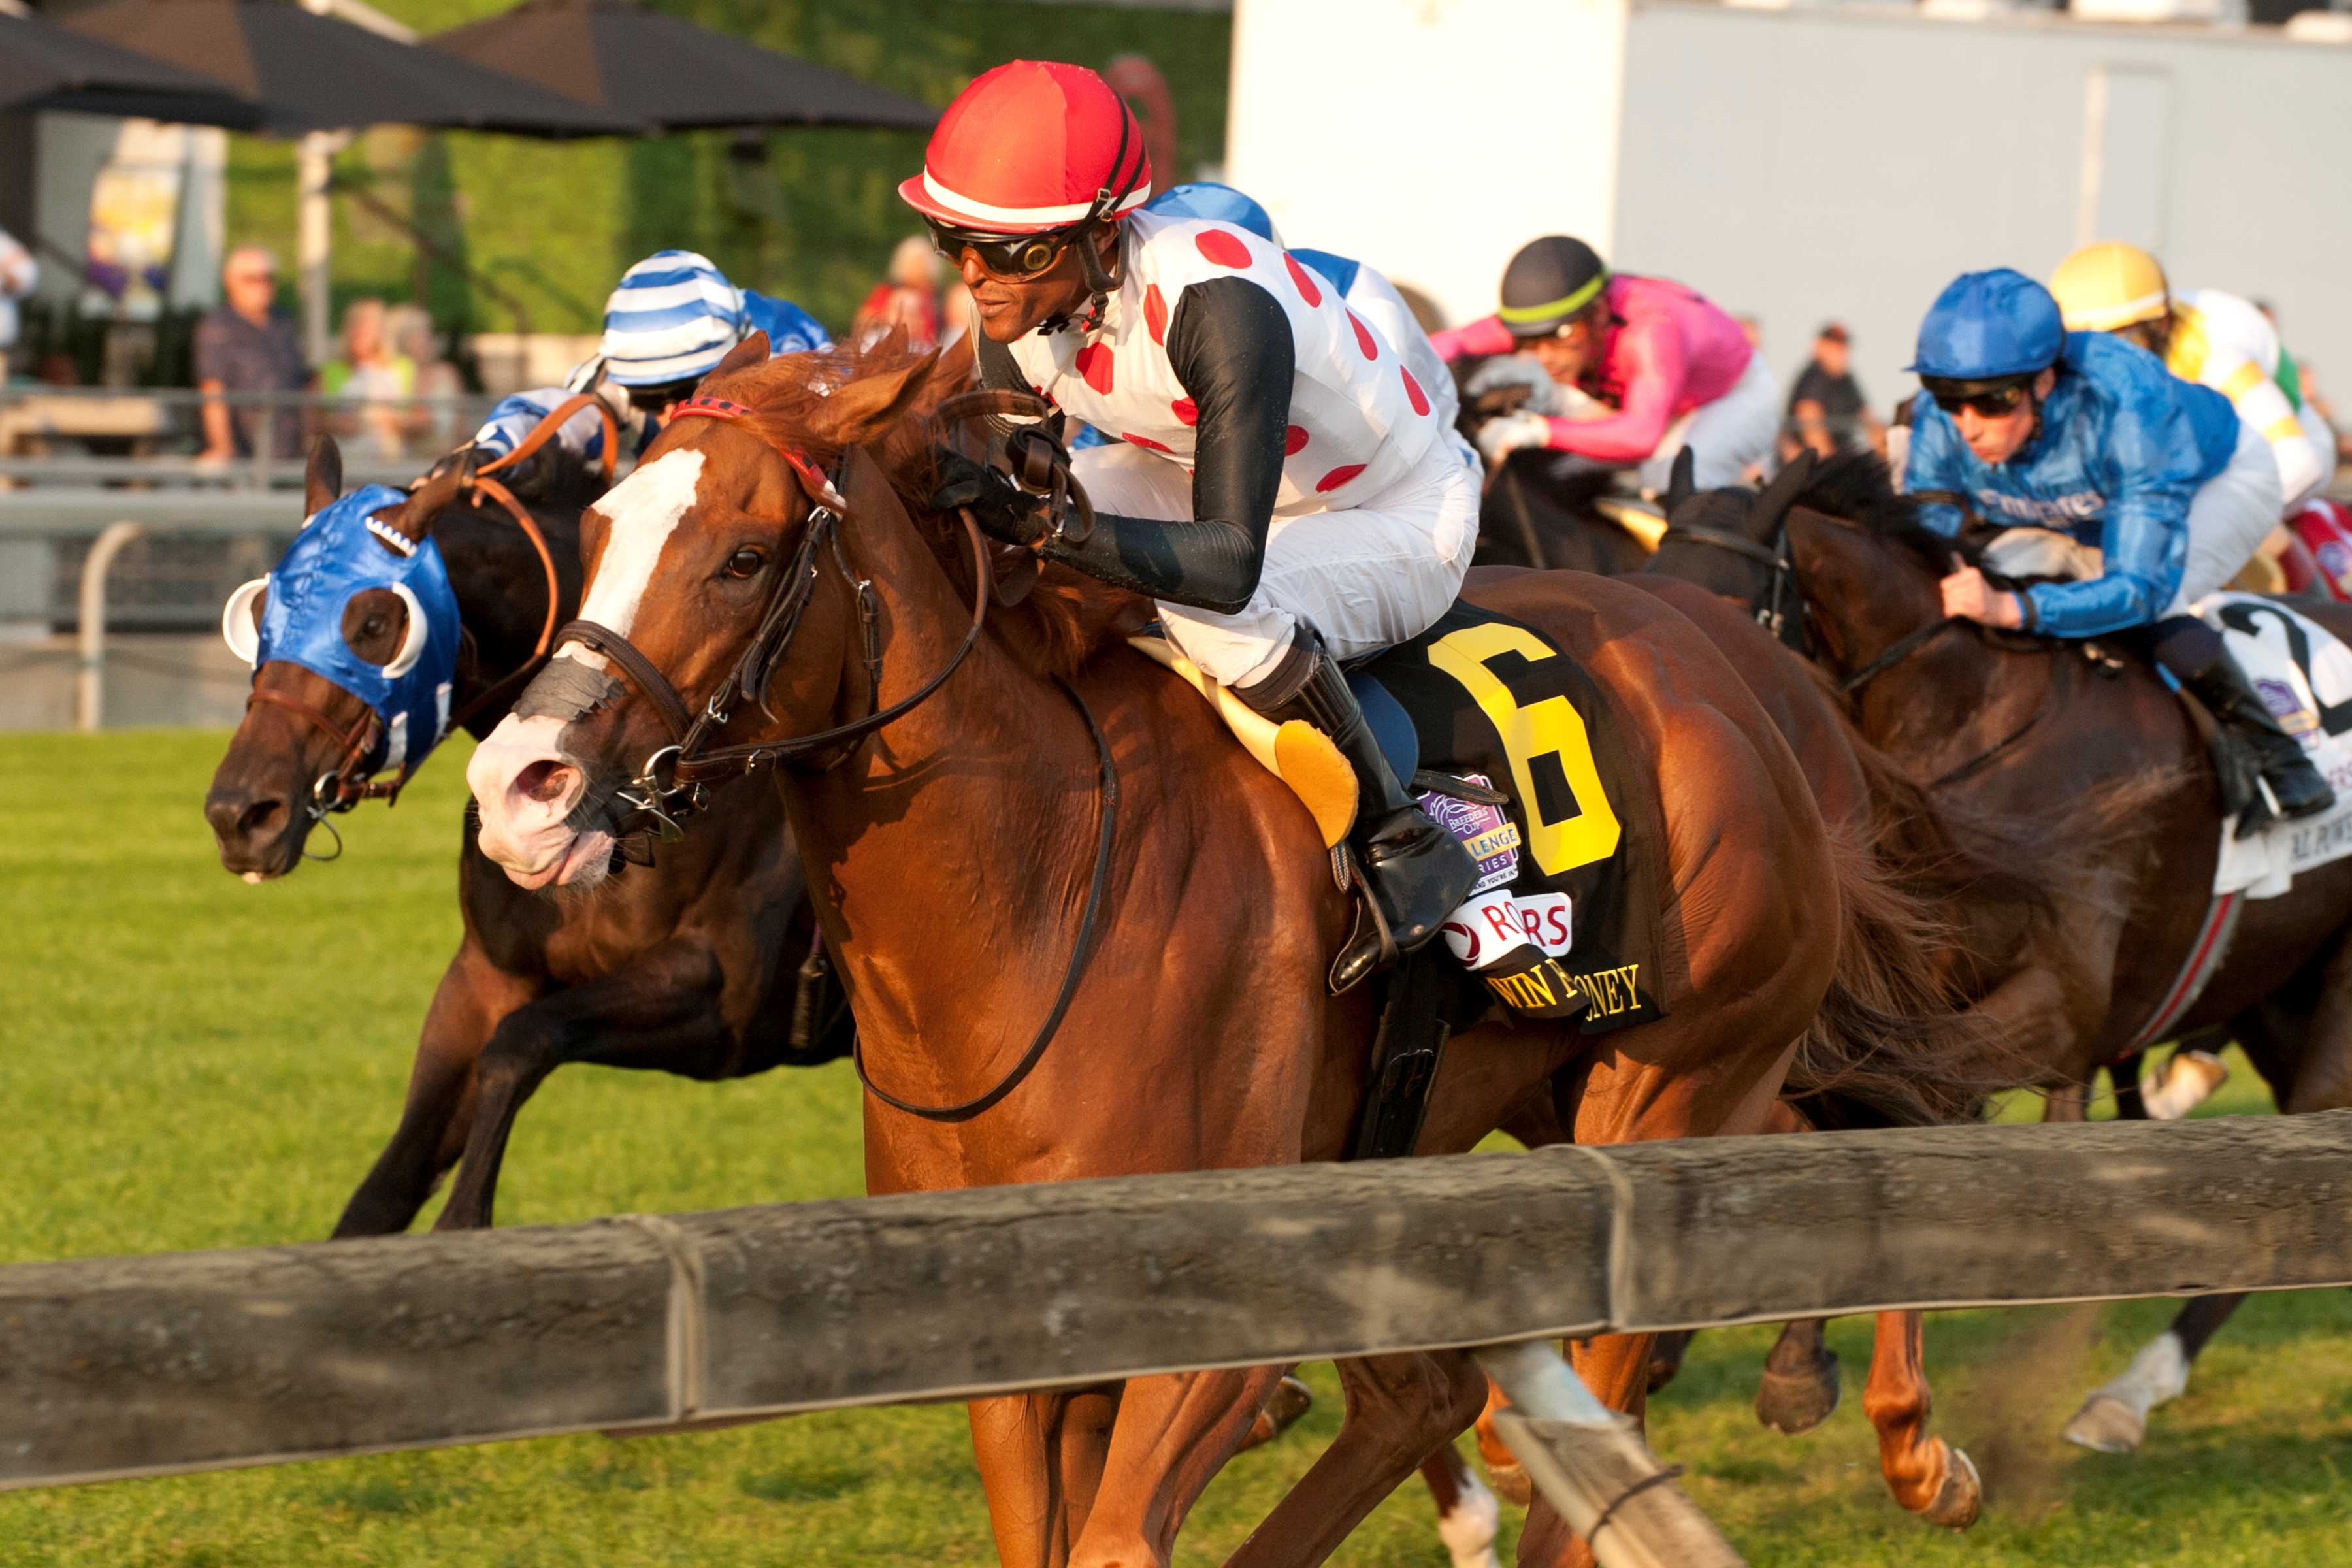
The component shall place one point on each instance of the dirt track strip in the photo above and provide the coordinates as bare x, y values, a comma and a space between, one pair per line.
113, 1367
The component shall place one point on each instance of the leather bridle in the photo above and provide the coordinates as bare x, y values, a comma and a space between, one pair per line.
1771, 607
670, 784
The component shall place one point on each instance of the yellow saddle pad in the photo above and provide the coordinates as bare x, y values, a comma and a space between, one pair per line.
1297, 754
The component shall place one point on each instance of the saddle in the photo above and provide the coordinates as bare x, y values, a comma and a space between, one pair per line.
1512, 747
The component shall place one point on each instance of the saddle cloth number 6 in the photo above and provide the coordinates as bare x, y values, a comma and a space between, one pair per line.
1549, 734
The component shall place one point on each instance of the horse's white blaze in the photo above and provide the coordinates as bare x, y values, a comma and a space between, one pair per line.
642, 511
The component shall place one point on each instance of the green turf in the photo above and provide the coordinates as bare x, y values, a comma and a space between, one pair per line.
188, 1062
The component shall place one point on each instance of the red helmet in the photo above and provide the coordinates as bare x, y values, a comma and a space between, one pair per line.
1030, 146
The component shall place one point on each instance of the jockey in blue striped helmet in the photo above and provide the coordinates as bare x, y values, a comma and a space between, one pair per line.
667, 324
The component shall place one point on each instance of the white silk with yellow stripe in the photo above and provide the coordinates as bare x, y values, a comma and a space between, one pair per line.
2224, 342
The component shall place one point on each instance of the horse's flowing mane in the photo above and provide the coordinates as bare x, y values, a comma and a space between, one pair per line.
1858, 488
1065, 619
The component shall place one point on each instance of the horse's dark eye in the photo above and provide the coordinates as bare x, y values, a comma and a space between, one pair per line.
374, 627
746, 562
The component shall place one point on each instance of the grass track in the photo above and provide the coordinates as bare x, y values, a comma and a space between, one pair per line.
188, 1062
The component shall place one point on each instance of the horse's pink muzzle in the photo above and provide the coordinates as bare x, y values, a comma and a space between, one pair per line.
526, 787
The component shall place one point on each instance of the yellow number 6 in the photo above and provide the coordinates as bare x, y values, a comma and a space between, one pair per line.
1550, 728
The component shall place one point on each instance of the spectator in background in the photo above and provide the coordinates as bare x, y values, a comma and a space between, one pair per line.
248, 345
373, 380
432, 427
1827, 411
18, 273
1752, 328
908, 297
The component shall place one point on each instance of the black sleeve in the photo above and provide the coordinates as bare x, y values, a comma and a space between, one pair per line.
1231, 347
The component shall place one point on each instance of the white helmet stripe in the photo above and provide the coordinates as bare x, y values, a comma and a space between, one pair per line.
1068, 212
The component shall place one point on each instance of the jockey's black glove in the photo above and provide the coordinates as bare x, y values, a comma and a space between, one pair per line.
1001, 509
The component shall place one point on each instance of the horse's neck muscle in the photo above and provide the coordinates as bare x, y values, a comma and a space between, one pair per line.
949, 852
501, 588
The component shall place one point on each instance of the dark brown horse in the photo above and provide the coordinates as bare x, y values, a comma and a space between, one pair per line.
1534, 515
691, 965
2022, 727
1011, 821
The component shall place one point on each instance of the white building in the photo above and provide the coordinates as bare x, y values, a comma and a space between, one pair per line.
1805, 164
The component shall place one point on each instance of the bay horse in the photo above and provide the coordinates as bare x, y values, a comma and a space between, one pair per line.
2021, 726
1085, 935
691, 965
1531, 515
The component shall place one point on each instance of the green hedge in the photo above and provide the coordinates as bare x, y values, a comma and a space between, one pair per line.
810, 215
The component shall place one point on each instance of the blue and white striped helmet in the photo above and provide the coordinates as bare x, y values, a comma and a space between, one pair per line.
673, 318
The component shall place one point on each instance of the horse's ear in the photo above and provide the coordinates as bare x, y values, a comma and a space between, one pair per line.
751, 350
322, 477
1680, 484
1782, 492
863, 409
412, 519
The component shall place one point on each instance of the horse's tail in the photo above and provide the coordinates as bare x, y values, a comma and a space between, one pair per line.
1893, 1041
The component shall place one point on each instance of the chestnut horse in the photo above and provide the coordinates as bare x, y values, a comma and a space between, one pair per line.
2025, 726
1012, 823
689, 965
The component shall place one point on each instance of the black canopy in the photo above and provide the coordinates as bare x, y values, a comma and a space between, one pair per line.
311, 72
666, 71
43, 66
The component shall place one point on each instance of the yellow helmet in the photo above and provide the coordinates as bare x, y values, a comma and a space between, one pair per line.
2105, 286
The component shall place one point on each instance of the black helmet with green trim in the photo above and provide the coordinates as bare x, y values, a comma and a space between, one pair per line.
1547, 281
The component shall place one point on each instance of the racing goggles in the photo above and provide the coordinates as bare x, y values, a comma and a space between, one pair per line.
1995, 400
1009, 255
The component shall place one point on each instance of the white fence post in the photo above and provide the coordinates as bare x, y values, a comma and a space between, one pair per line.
91, 695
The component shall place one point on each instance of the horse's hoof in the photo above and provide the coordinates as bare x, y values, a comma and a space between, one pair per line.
1290, 1400
1510, 1482
1961, 1498
1793, 1402
2108, 1425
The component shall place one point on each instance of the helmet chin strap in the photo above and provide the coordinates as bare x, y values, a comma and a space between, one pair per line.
1100, 283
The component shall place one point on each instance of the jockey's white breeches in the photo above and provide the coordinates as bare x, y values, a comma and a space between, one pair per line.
1728, 438
2229, 517
1365, 578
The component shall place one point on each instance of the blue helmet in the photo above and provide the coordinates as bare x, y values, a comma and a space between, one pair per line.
673, 318
1990, 326
1206, 198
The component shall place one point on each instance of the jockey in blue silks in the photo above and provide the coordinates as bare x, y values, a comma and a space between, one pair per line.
672, 319
2145, 490
1365, 290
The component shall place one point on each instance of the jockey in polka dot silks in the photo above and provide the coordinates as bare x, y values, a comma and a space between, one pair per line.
1280, 484
672, 319
1362, 288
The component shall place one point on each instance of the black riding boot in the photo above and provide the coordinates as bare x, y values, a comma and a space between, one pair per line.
2213, 677
1418, 872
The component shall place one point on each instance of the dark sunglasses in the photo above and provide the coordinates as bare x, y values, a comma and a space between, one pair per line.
1999, 402
1013, 256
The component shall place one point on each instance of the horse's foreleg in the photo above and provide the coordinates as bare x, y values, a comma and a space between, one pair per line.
661, 1011
1171, 1433
1800, 1386
1401, 1410
473, 996
1016, 1441
2114, 1419
1469, 1517
1926, 1475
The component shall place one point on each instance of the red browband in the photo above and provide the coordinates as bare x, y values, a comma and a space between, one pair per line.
820, 487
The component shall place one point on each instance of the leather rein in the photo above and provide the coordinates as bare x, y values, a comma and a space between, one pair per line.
670, 784
348, 782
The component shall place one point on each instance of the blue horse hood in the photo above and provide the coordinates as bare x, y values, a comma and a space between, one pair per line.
342, 551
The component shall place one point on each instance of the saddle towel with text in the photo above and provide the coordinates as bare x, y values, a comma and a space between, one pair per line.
2304, 676
1579, 844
